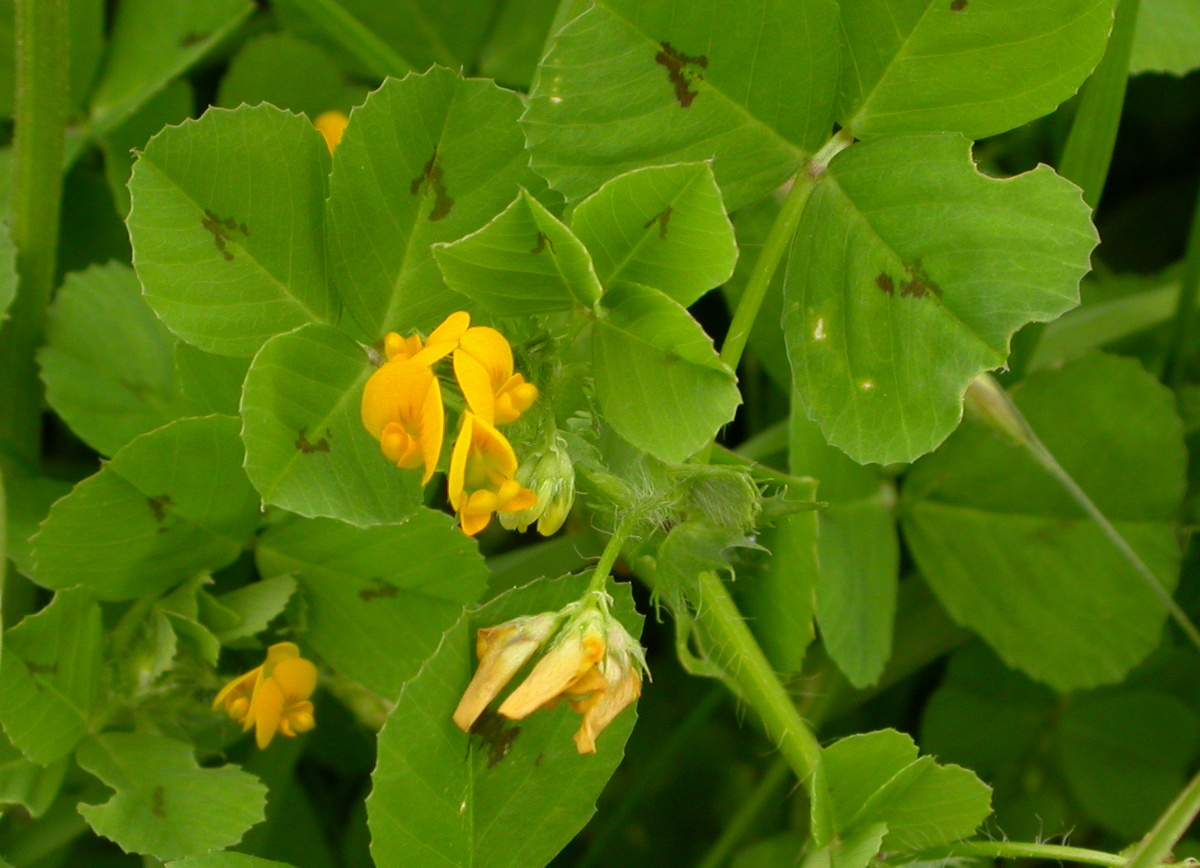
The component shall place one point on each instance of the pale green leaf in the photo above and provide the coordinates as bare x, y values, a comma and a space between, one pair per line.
50, 676
907, 277
928, 804
977, 67
212, 383
108, 362
427, 159
227, 227
513, 795
1168, 37
859, 765
256, 605
286, 72
512, 50
391, 588
172, 503
1010, 555
525, 261
658, 380
34, 787
306, 448
154, 43
226, 860
165, 805
1126, 755
663, 227
29, 501
627, 84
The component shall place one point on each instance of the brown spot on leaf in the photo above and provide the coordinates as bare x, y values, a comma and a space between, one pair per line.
221, 230
158, 803
543, 241
191, 38
382, 589
885, 283
663, 218
158, 506
41, 668
918, 284
432, 177
308, 447
495, 734
682, 70
958, 5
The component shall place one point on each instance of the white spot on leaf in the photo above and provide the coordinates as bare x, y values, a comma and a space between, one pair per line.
819, 331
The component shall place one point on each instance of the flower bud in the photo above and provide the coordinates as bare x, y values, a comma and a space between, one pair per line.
551, 476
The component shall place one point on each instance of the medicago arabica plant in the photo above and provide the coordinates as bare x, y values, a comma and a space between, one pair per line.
633, 432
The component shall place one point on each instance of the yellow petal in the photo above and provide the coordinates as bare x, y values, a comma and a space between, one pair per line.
267, 708
331, 125
433, 424
296, 678
611, 703
492, 350
405, 348
476, 385
239, 685
559, 668
455, 483
496, 668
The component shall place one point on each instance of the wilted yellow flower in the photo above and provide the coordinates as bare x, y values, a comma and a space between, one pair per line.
402, 409
483, 366
502, 651
593, 663
482, 470
441, 341
273, 697
331, 125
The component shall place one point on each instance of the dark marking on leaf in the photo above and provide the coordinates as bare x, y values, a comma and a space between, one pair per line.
308, 447
382, 589
433, 177
543, 241
158, 506
663, 218
540, 757
958, 5
36, 669
495, 735
220, 230
918, 284
191, 38
683, 71
159, 803
885, 283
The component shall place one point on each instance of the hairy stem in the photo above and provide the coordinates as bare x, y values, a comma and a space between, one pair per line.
1022, 850
1155, 848
612, 551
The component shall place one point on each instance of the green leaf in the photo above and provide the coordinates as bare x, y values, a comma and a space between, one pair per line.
658, 380
858, 552
395, 587
108, 362
663, 227
877, 779
1168, 37
256, 605
50, 676
977, 67
306, 448
1125, 755
29, 501
172, 105
427, 159
525, 261
514, 795
165, 805
227, 227
510, 54
172, 503
226, 860
907, 277
32, 786
286, 72
151, 45
1010, 555
212, 383
750, 86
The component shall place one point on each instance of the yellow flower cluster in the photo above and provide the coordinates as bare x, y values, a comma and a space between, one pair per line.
593, 663
273, 697
402, 409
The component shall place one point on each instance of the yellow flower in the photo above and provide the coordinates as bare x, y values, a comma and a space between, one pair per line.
442, 341
567, 669
402, 409
482, 467
274, 697
483, 366
331, 125
502, 651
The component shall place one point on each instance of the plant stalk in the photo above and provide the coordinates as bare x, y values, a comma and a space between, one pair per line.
1022, 850
1155, 848
1189, 282
42, 96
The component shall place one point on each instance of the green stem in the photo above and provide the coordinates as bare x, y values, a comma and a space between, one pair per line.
612, 551
1189, 282
1021, 850
734, 647
774, 247
1089, 149
41, 120
1155, 848
747, 815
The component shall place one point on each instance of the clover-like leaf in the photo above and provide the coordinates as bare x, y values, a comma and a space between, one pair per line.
165, 805
908, 275
749, 85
